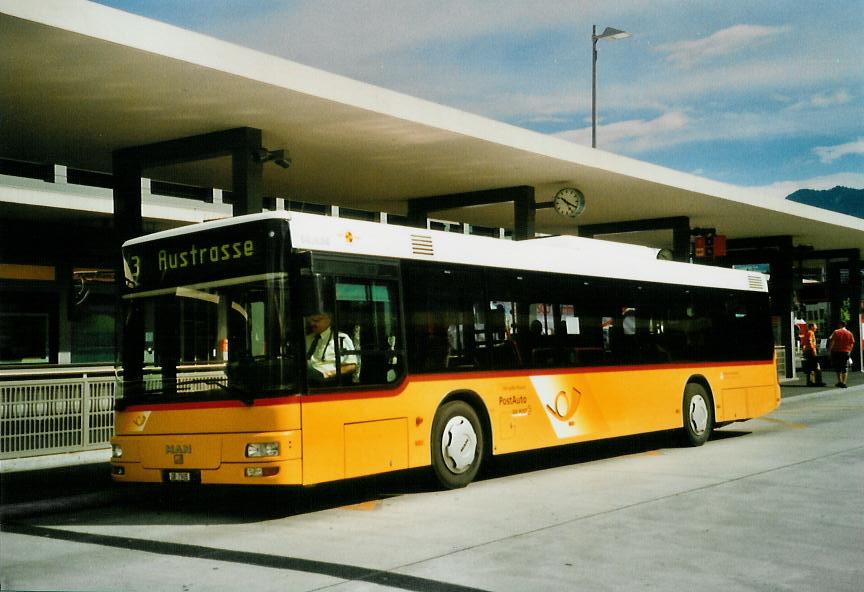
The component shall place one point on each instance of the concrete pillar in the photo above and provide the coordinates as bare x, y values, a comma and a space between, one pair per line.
855, 295
782, 295
524, 213
128, 223
247, 175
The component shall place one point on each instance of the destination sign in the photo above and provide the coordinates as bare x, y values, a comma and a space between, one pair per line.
208, 255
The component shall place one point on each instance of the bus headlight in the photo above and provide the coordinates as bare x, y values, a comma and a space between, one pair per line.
261, 471
260, 449
116, 451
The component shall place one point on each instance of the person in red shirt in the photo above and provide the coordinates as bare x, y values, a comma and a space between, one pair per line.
840, 345
811, 361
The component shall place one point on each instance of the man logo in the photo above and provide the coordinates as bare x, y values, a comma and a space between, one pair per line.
178, 449
565, 405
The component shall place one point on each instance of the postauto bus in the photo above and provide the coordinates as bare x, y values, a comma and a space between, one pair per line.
443, 349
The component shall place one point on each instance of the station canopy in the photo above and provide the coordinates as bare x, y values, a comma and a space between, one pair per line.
81, 80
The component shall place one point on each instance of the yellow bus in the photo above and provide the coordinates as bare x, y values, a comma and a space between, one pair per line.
291, 348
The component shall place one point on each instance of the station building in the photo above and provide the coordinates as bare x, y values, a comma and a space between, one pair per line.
114, 126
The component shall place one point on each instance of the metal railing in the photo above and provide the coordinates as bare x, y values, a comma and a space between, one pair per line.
53, 415
59, 412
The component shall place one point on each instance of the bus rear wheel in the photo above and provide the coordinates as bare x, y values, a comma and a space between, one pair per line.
698, 412
457, 444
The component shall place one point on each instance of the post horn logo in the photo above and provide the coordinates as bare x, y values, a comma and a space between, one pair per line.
565, 405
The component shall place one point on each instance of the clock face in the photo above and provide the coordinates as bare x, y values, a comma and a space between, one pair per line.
569, 202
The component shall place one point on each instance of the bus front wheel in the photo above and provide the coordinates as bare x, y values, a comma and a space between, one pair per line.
698, 411
457, 444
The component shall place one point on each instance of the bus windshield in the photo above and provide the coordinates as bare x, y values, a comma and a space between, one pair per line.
223, 339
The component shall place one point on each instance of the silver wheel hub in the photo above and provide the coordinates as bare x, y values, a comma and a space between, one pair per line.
459, 444
698, 415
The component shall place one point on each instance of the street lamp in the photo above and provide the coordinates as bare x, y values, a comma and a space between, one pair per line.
608, 33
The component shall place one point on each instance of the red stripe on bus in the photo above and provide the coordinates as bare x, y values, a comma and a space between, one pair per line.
582, 370
220, 404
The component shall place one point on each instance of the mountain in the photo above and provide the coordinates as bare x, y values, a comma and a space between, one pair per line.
840, 199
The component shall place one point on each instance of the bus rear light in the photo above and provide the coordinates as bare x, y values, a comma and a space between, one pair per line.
261, 449
261, 471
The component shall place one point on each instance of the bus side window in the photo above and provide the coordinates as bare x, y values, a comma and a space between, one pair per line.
368, 313
539, 343
503, 333
446, 329
582, 334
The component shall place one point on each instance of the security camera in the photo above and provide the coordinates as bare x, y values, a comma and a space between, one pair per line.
279, 158
276, 156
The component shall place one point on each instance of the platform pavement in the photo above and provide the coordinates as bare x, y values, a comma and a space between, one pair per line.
48, 490
797, 387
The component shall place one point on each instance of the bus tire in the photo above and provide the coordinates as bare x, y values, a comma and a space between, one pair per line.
457, 444
698, 412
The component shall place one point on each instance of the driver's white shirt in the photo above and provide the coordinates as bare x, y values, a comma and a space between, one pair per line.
323, 359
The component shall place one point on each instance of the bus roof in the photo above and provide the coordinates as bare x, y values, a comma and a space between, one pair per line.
567, 255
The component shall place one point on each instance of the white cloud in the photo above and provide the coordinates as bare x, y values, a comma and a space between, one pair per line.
680, 127
828, 154
676, 128
687, 54
823, 100
781, 189
841, 97
636, 134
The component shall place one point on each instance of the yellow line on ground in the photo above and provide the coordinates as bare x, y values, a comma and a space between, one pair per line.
363, 506
788, 424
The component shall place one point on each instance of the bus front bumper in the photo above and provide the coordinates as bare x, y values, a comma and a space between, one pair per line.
271, 458
288, 472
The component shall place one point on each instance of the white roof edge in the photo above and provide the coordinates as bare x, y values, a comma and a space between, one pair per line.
575, 243
347, 236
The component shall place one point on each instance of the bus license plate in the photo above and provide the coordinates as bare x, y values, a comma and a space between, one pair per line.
179, 476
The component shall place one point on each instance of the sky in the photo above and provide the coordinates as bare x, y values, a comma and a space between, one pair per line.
766, 94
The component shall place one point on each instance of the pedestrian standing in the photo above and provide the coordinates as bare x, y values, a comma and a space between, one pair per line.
810, 364
840, 346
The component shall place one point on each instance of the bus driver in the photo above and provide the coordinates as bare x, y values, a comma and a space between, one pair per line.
321, 350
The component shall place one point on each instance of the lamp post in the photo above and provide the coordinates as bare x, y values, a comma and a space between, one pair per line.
608, 33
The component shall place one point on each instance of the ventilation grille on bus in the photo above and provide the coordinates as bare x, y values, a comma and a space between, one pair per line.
756, 282
421, 244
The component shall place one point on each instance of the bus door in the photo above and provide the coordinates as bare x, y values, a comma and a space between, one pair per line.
354, 348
